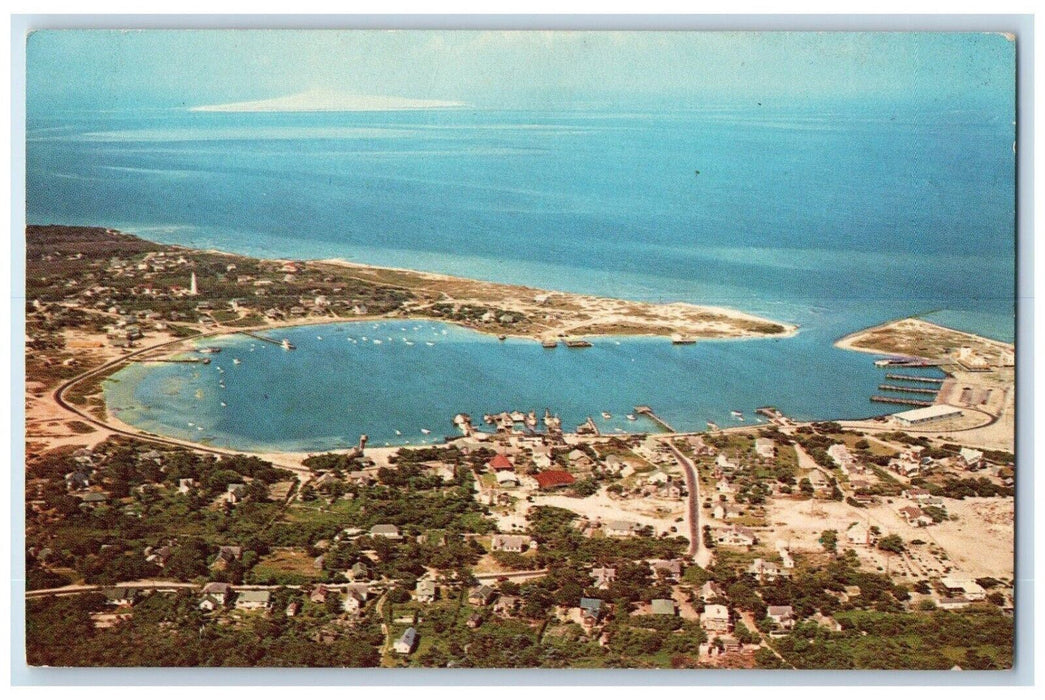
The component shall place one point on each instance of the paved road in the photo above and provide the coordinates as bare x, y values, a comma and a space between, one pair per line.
58, 395
697, 550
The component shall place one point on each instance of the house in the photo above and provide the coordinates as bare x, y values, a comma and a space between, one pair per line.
385, 530
964, 588
666, 568
710, 591
724, 512
916, 494
553, 479
969, 458
620, 528
841, 456
591, 610
511, 543
765, 571
253, 600
319, 594
952, 603
121, 596
507, 605
915, 516
234, 493
406, 642
662, 606
359, 572
228, 554
858, 534
500, 462
481, 595
604, 577
292, 608
356, 595
210, 602
218, 588
782, 615
507, 479
765, 448
425, 591
186, 485
716, 618
735, 536
77, 480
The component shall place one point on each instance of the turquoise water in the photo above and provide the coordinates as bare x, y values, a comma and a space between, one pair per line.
831, 216
340, 383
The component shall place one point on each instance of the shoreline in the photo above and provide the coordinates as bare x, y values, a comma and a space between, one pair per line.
850, 341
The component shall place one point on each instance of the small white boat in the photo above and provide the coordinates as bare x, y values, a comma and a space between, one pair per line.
631, 417
409, 342
319, 337
737, 414
364, 337
607, 415
224, 404
426, 431
237, 361
191, 424
398, 432
199, 427
376, 341
287, 345
429, 344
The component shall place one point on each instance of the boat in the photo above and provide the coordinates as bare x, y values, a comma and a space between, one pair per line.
237, 361
376, 341
502, 337
682, 340
224, 404
631, 417
398, 433
577, 344
429, 344
712, 426
287, 345
426, 431
737, 414
606, 415
319, 337
210, 350
550, 343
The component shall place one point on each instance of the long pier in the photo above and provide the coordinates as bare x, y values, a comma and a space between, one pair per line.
911, 389
906, 402
261, 337
913, 378
186, 361
648, 412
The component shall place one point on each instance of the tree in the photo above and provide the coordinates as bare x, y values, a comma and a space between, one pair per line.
891, 543
829, 540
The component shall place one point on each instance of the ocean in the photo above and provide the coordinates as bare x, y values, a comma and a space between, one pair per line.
833, 217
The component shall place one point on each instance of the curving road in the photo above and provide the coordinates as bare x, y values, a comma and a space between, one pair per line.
697, 550
58, 396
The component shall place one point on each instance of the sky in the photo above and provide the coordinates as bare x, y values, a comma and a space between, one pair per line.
102, 69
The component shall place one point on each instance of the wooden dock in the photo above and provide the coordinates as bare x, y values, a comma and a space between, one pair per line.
905, 402
186, 361
913, 378
261, 337
648, 412
911, 389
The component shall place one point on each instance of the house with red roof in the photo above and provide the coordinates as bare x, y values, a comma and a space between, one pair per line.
553, 478
500, 463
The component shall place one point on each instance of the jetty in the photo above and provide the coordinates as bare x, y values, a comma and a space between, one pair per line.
648, 412
914, 378
894, 399
184, 361
910, 389
261, 337
577, 343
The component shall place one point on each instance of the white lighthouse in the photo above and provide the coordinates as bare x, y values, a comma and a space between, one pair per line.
192, 285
